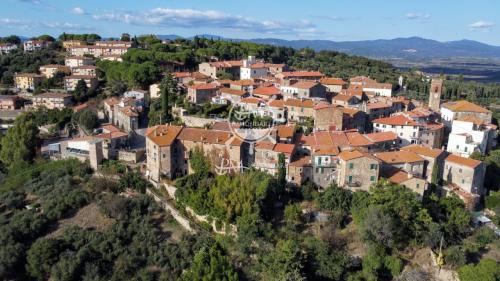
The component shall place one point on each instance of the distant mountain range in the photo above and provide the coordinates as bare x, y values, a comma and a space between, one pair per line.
412, 48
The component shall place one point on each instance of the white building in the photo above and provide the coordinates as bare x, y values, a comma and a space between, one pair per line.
6, 48
77, 61
469, 134
405, 128
456, 109
35, 45
252, 69
379, 89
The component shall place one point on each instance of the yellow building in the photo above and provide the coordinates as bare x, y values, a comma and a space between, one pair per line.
27, 81
51, 69
72, 43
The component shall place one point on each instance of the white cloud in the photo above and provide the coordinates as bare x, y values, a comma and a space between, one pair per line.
27, 24
418, 17
30, 1
192, 18
481, 25
78, 11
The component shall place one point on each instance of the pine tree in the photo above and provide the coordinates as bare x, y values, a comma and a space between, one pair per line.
435, 174
281, 170
168, 90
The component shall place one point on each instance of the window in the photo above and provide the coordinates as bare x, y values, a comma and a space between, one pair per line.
463, 181
418, 185
372, 178
351, 166
460, 170
373, 166
349, 179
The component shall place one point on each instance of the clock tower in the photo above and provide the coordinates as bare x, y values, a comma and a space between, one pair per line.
435, 94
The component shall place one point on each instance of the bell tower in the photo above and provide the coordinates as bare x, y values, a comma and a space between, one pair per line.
435, 94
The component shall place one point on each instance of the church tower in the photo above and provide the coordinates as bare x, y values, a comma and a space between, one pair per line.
435, 94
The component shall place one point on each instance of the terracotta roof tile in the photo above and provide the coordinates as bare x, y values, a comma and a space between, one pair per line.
332, 81
382, 137
396, 157
469, 162
397, 120
422, 150
204, 135
285, 131
302, 74
232, 92
465, 106
163, 135
266, 91
357, 139
284, 148
208, 86
304, 85
299, 103
276, 103
302, 162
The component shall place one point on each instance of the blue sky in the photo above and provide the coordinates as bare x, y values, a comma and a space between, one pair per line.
442, 20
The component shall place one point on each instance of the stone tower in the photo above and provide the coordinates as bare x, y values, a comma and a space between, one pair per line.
95, 153
435, 94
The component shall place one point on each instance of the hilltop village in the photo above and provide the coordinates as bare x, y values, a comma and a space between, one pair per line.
185, 131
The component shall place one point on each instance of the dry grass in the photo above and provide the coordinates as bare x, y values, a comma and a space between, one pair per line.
89, 217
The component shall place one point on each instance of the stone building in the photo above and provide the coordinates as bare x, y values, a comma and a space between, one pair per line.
405, 160
27, 81
357, 170
435, 94
434, 159
328, 117
163, 154
201, 93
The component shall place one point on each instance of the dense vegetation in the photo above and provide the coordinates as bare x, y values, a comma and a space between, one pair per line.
134, 247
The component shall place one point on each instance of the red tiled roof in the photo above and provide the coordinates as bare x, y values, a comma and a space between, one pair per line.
422, 150
163, 135
357, 139
465, 106
396, 157
299, 103
243, 83
204, 135
266, 91
232, 92
285, 131
381, 137
276, 103
301, 162
284, 148
332, 81
398, 120
304, 85
469, 162
302, 74
209, 86
252, 100
344, 98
